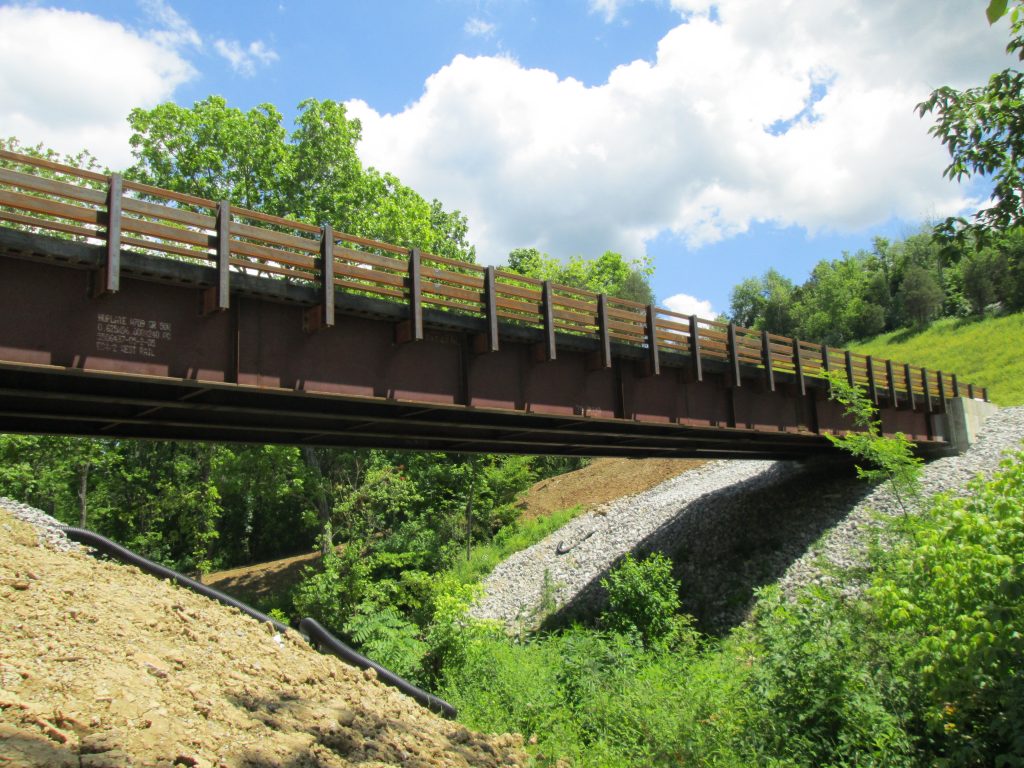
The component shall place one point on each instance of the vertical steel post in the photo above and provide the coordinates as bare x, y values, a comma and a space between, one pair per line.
766, 357
654, 364
604, 331
734, 356
698, 369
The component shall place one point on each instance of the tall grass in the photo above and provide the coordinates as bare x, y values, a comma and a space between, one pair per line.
919, 665
987, 352
509, 540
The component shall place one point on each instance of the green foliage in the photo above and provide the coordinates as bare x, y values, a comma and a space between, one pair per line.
511, 538
891, 458
331, 593
826, 685
312, 174
765, 303
610, 273
920, 294
985, 352
920, 667
955, 596
385, 636
643, 598
981, 129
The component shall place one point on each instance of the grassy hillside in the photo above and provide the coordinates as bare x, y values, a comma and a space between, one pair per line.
989, 352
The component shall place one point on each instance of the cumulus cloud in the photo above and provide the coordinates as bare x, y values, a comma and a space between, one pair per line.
796, 114
48, 96
685, 304
172, 30
476, 27
245, 60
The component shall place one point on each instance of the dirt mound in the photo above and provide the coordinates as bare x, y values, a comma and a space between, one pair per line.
104, 666
255, 583
599, 482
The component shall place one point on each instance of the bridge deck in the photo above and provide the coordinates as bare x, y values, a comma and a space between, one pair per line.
131, 311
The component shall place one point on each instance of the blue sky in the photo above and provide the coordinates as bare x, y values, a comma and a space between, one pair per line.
720, 139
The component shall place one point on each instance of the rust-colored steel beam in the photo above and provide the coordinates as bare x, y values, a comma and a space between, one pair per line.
145, 362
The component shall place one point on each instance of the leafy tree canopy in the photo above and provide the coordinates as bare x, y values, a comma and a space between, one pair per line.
610, 273
312, 174
983, 130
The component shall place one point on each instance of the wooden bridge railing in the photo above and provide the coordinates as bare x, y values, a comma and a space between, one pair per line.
45, 196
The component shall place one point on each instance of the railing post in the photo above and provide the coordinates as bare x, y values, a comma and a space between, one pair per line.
109, 279
321, 315
217, 298
698, 369
766, 357
850, 377
327, 274
910, 386
734, 356
604, 331
488, 341
891, 381
956, 385
412, 329
927, 391
547, 350
970, 391
942, 390
798, 366
653, 362
872, 389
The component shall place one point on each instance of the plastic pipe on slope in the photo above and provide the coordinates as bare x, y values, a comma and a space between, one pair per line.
311, 627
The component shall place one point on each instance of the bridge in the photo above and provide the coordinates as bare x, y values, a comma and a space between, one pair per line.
131, 311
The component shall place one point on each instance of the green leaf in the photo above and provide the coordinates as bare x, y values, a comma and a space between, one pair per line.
996, 10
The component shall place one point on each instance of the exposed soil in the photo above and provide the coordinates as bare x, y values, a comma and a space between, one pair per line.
259, 581
599, 482
103, 666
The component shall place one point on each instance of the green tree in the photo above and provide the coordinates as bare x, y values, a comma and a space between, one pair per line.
765, 303
610, 273
920, 294
983, 131
312, 174
833, 305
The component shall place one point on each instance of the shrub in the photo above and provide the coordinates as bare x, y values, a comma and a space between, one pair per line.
955, 594
643, 598
331, 593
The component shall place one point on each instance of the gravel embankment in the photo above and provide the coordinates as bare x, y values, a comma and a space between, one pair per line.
731, 526
47, 528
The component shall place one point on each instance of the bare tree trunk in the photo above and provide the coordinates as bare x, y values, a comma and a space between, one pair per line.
83, 493
469, 509
320, 499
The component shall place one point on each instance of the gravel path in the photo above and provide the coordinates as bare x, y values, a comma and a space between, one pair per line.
731, 527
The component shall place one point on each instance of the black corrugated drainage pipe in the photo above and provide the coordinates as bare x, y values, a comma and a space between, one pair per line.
320, 636
311, 627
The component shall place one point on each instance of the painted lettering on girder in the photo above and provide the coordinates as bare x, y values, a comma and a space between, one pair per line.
130, 336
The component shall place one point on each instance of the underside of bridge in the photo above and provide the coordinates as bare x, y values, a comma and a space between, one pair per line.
153, 360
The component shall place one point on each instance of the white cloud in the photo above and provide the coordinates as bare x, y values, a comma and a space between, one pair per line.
69, 79
172, 30
682, 143
685, 304
607, 8
245, 60
476, 27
